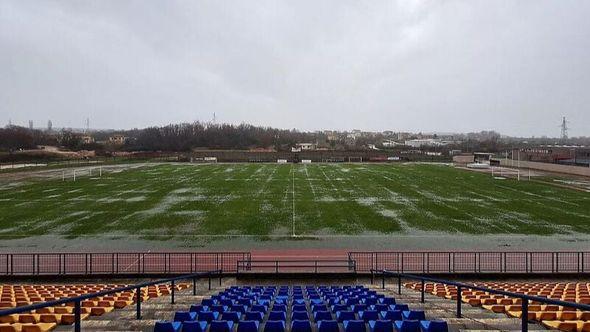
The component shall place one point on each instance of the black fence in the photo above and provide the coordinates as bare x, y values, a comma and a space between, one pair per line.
77, 300
464, 286
119, 263
297, 266
473, 262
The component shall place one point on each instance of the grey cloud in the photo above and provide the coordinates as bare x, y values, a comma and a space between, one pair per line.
512, 66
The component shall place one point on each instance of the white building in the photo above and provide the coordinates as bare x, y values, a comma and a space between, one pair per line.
416, 143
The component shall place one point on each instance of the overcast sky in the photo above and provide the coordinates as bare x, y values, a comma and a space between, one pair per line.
449, 66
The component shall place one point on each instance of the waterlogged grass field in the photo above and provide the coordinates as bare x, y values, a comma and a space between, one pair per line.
166, 201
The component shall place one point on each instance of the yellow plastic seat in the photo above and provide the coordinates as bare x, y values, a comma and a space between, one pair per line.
567, 326
39, 327
6, 327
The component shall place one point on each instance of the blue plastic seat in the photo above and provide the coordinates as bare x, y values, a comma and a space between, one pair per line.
234, 316
400, 307
388, 300
413, 315
221, 326
248, 326
207, 316
277, 315
407, 325
254, 315
165, 326
184, 316
370, 300
259, 307
359, 307
322, 315
208, 302
354, 326
345, 315
381, 307
301, 325
392, 315
274, 326
244, 301
239, 308
328, 326
279, 307
299, 307
340, 307
319, 307
434, 326
194, 326
381, 326
368, 315
198, 308
299, 315
226, 302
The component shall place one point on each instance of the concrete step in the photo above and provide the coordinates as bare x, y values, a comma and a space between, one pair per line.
473, 318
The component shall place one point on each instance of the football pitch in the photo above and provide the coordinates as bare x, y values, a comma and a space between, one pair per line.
263, 201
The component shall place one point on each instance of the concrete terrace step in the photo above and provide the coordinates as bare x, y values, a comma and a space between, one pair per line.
152, 310
474, 318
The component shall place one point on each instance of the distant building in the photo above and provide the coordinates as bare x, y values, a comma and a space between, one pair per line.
416, 143
87, 139
464, 159
389, 143
117, 139
306, 146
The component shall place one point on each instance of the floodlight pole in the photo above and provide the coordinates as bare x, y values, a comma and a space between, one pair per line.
293, 202
74, 175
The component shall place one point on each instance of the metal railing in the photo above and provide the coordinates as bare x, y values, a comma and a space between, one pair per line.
461, 286
152, 263
296, 266
473, 262
138, 298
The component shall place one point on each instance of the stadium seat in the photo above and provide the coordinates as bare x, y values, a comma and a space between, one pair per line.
248, 326
207, 316
254, 315
259, 307
194, 326
221, 326
434, 326
164, 326
369, 315
301, 326
231, 316
277, 316
400, 307
392, 315
198, 308
299, 307
279, 307
299, 315
328, 326
322, 315
341, 316
413, 315
184, 316
340, 307
381, 326
407, 325
274, 326
354, 326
